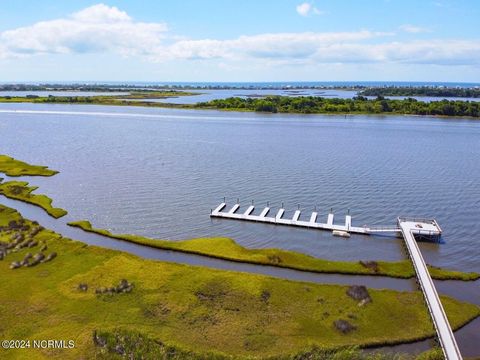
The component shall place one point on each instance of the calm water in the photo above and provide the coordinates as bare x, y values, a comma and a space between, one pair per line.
158, 172
208, 95
214, 94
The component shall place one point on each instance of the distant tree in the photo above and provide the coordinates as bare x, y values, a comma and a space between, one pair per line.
385, 106
265, 106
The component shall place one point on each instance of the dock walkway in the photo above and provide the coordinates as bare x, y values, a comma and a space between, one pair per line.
410, 228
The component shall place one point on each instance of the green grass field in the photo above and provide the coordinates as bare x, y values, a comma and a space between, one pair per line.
20, 190
192, 309
13, 167
226, 248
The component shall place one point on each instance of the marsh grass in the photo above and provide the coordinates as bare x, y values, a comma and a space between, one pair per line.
228, 249
14, 167
119, 343
196, 309
20, 190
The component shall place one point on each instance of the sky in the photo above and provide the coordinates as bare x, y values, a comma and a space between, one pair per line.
247, 40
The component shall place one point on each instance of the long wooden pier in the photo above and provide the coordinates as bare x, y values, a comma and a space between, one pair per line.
425, 227
409, 228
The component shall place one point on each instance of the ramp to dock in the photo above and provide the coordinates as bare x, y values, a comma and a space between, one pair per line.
410, 228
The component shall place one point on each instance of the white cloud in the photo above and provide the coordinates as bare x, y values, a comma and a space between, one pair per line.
276, 46
95, 29
104, 29
101, 13
438, 52
307, 8
311, 48
413, 29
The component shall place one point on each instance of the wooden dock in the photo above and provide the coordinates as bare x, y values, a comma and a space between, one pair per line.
410, 228
295, 220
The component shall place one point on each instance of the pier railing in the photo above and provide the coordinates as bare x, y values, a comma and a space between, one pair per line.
382, 228
417, 219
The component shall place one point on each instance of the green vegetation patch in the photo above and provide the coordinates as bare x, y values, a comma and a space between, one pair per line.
421, 91
19, 190
120, 343
228, 249
357, 105
14, 167
195, 309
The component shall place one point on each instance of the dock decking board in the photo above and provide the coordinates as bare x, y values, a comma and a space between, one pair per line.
264, 212
234, 209
249, 210
348, 222
296, 216
280, 214
330, 219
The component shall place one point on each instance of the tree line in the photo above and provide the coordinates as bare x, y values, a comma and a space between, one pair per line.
422, 91
359, 104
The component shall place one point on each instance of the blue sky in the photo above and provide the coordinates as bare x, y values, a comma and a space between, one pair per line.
247, 40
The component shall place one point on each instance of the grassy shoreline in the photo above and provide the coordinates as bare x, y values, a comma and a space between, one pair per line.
14, 167
201, 310
20, 190
228, 249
